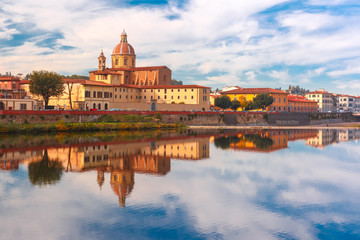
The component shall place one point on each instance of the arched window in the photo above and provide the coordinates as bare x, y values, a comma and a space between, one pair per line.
106, 106
94, 106
99, 106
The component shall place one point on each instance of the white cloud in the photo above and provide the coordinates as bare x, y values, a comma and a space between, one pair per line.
347, 84
349, 70
226, 37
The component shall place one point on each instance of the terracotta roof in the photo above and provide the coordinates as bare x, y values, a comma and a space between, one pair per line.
341, 95
171, 86
114, 70
7, 78
318, 92
88, 82
124, 48
254, 91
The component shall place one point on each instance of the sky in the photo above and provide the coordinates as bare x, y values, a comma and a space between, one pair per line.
264, 43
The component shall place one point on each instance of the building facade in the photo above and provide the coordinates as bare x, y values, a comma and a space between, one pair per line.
347, 103
280, 101
325, 100
301, 104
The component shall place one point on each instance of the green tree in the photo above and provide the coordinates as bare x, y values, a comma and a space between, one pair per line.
262, 101
46, 84
235, 104
45, 172
223, 102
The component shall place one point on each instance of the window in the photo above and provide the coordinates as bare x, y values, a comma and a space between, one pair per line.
178, 97
87, 93
94, 94
116, 89
178, 90
110, 95
125, 61
116, 61
115, 96
158, 97
192, 97
204, 98
22, 106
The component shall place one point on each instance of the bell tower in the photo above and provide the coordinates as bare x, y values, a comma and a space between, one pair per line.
102, 61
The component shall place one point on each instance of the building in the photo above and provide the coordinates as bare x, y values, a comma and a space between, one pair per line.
127, 87
301, 104
124, 70
347, 103
280, 102
10, 88
326, 101
12, 97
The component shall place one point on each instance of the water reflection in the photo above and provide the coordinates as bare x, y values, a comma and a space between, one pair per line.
268, 184
122, 158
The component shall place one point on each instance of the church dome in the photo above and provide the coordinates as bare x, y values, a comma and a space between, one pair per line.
124, 47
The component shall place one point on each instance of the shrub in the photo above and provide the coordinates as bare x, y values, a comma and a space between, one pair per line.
158, 116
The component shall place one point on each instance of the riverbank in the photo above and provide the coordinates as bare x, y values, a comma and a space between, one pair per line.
345, 125
83, 127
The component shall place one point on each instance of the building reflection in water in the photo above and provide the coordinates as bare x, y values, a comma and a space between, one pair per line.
122, 159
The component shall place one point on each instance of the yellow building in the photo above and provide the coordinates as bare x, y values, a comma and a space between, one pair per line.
280, 102
127, 87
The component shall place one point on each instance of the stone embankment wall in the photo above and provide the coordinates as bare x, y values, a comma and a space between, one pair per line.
303, 119
186, 117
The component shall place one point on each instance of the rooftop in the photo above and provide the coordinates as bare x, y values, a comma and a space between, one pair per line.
255, 91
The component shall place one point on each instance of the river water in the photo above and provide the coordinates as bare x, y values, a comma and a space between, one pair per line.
208, 184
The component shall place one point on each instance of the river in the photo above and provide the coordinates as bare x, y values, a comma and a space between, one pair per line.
188, 184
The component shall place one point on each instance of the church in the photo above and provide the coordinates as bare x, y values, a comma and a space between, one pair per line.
124, 70
127, 87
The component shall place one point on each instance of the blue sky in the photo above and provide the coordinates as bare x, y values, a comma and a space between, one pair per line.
263, 43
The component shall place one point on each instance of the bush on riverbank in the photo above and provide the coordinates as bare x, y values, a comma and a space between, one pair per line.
82, 127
